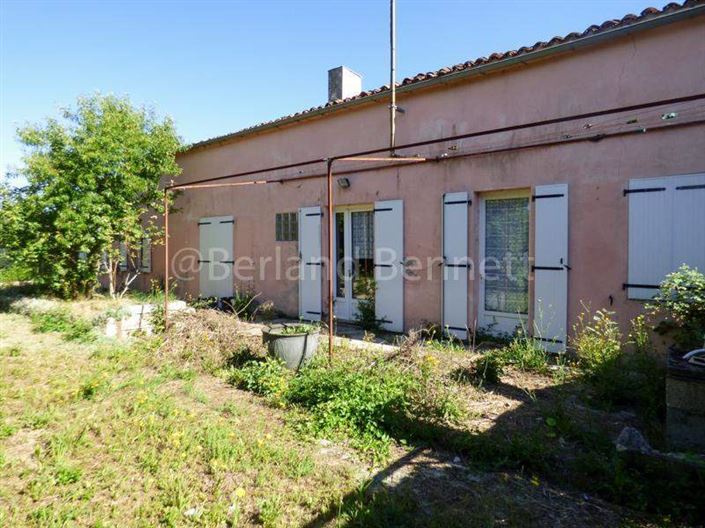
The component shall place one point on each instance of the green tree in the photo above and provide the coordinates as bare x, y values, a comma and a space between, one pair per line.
92, 183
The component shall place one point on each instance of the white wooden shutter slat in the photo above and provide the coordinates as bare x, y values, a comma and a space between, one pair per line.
310, 263
550, 266
389, 267
689, 222
216, 254
455, 262
650, 242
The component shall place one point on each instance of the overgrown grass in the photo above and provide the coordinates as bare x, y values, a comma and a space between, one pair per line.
145, 423
526, 354
621, 373
86, 426
370, 401
61, 321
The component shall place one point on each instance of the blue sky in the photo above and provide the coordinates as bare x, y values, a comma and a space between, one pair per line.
217, 67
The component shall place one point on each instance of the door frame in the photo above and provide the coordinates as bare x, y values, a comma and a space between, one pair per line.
505, 322
347, 311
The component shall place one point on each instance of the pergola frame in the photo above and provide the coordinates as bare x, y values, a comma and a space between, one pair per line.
394, 160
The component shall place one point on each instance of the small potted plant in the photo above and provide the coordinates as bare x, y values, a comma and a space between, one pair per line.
295, 344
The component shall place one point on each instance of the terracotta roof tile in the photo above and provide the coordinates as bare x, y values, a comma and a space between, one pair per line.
626, 20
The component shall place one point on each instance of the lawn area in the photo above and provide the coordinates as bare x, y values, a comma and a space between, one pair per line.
199, 430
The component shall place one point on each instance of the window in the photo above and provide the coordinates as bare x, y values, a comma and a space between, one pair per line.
146, 255
506, 255
666, 230
287, 227
122, 261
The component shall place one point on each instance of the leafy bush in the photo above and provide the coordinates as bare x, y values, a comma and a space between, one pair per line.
268, 377
681, 298
92, 176
13, 273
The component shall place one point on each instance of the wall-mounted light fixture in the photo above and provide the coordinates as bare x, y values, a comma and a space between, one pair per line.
343, 183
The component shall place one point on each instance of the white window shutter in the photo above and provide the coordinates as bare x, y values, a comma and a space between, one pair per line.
122, 261
650, 243
310, 263
389, 264
551, 266
689, 222
146, 255
216, 256
455, 264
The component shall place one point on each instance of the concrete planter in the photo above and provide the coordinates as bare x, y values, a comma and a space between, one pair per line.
685, 404
137, 318
293, 349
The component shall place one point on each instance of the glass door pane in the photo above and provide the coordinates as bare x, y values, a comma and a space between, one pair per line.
507, 255
340, 254
362, 254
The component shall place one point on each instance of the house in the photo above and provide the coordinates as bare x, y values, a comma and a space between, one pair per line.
566, 174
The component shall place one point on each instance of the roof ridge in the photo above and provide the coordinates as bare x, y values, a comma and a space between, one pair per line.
594, 29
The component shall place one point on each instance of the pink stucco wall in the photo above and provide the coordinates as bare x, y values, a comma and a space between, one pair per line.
657, 64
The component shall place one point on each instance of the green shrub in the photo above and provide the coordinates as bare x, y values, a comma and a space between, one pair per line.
367, 405
597, 340
618, 376
268, 377
13, 273
681, 299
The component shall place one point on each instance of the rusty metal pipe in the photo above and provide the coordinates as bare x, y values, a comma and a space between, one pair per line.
331, 267
401, 162
480, 133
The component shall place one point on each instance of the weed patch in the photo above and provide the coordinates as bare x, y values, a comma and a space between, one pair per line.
61, 321
369, 403
525, 354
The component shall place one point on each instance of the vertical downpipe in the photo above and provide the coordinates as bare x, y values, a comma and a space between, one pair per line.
392, 74
166, 259
331, 264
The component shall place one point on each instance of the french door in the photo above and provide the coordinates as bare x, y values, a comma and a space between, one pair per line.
354, 256
504, 270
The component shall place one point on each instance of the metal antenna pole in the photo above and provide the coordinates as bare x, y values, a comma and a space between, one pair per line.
392, 73
166, 259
